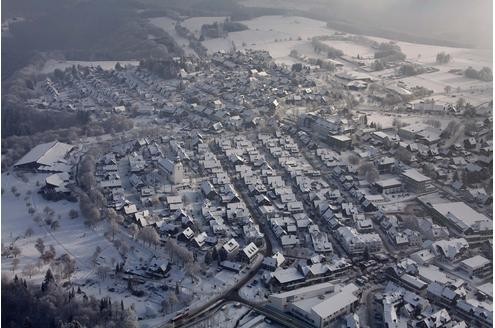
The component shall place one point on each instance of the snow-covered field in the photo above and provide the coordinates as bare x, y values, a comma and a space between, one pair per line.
53, 64
351, 48
168, 25
73, 237
194, 24
277, 34
386, 119
281, 34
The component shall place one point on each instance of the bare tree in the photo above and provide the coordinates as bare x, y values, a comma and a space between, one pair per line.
192, 269
29, 232
69, 266
133, 230
103, 271
16, 251
29, 270
353, 159
369, 172
15, 264
54, 225
96, 254
40, 245
73, 214
114, 226
173, 300
149, 235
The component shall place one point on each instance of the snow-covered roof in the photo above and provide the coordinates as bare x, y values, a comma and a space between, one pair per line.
46, 154
413, 174
463, 216
336, 302
475, 262
57, 179
250, 250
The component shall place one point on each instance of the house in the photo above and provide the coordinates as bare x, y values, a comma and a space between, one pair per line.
208, 190
389, 186
174, 202
273, 262
231, 266
385, 164
476, 266
249, 252
142, 217
305, 275
186, 235
230, 249
450, 249
340, 142
56, 186
415, 181
410, 131
158, 266
130, 209
356, 243
200, 239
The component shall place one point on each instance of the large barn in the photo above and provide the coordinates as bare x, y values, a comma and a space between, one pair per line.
47, 157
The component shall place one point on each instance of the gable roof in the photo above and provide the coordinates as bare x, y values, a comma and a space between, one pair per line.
45, 154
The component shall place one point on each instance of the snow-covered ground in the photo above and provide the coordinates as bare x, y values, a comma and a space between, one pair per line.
53, 64
277, 34
168, 25
386, 119
254, 291
194, 24
72, 237
281, 34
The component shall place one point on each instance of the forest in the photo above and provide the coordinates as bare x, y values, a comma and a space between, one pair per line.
49, 305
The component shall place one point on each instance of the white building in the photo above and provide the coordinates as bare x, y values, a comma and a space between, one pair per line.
355, 243
476, 266
318, 305
230, 249
173, 170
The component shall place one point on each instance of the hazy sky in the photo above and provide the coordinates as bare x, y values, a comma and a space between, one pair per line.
461, 21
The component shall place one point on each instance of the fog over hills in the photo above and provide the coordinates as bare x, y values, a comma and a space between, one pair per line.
468, 23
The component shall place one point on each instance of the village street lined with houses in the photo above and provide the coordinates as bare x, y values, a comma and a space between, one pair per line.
272, 176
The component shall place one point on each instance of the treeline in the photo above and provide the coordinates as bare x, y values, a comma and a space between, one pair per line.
164, 68
27, 306
319, 46
389, 51
230, 8
411, 69
220, 29
19, 120
91, 200
484, 74
15, 146
86, 30
194, 43
443, 58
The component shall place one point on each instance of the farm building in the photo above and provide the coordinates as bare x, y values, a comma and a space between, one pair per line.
47, 157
